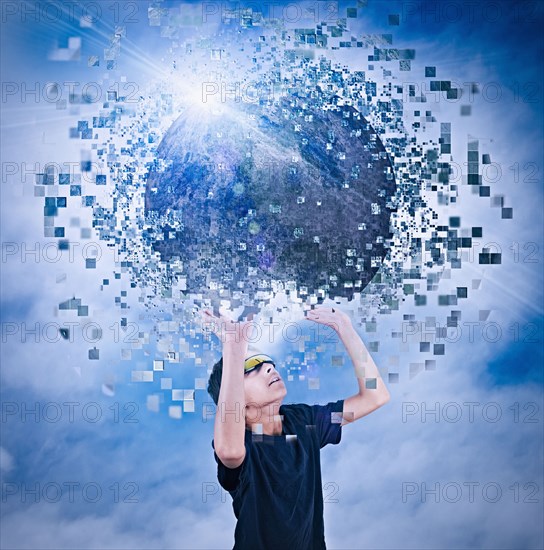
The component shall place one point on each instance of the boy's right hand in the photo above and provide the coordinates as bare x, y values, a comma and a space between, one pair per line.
232, 334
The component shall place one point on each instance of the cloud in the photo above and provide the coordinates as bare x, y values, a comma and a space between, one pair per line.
380, 453
377, 454
6, 460
163, 528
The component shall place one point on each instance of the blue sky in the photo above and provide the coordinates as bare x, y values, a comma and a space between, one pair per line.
167, 463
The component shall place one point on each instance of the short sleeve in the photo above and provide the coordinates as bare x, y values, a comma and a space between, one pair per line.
328, 422
229, 477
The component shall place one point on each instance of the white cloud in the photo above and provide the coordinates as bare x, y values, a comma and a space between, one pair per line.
378, 453
6, 460
163, 528
381, 452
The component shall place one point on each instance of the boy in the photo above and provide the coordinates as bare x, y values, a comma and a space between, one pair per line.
268, 454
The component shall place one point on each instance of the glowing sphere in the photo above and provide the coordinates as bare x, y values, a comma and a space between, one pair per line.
256, 198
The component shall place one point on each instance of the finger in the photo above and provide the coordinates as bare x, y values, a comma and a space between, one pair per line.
225, 318
220, 318
208, 315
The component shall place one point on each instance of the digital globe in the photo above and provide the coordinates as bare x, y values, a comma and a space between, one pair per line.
248, 199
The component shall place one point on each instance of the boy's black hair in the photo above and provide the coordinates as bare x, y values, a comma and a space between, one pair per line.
214, 382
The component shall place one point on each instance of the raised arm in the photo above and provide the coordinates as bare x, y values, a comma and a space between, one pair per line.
229, 426
372, 392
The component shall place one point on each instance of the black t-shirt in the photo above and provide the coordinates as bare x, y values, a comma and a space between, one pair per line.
276, 492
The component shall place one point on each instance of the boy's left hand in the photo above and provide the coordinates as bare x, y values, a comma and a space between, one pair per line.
329, 316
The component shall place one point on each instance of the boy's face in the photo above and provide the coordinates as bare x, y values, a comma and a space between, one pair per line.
264, 385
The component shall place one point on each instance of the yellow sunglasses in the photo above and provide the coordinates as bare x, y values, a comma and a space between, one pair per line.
255, 361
